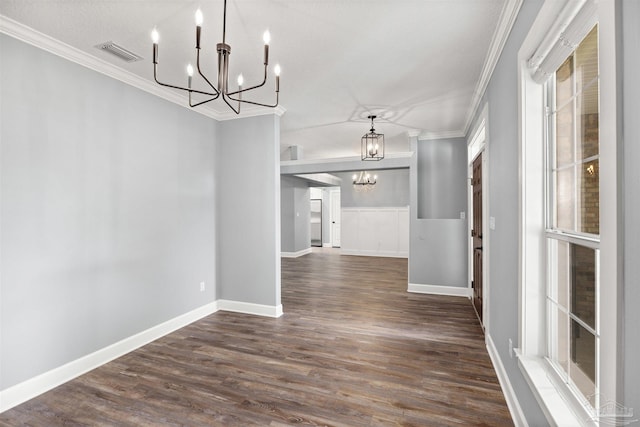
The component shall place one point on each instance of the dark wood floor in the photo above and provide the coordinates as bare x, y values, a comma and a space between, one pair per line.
353, 349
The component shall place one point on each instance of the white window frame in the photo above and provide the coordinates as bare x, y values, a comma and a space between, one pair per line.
560, 405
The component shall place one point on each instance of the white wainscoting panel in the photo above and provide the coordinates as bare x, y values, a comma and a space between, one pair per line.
375, 231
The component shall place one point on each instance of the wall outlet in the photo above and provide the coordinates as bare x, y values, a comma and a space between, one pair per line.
463, 215
510, 348
201, 286
492, 223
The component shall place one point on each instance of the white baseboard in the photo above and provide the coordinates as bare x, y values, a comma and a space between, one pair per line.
453, 291
33, 387
357, 252
250, 308
510, 396
327, 245
295, 254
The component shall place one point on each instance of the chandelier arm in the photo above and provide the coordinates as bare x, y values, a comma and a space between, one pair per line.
179, 87
257, 103
252, 87
202, 102
217, 92
191, 104
231, 106
222, 89
240, 100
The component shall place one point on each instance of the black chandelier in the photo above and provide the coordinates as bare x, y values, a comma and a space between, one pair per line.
372, 144
222, 88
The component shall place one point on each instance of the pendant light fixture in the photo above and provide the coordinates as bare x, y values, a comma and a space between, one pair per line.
364, 179
221, 90
372, 144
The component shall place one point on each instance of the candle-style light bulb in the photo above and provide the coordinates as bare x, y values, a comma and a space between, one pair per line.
277, 70
354, 177
199, 19
267, 38
155, 37
189, 76
240, 82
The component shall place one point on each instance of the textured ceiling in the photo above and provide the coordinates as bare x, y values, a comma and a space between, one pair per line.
415, 63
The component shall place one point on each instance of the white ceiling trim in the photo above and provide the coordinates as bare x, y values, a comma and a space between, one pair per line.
404, 155
33, 37
344, 164
252, 112
507, 18
321, 178
42, 41
424, 136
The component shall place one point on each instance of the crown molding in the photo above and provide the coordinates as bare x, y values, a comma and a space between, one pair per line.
428, 136
507, 18
42, 41
251, 112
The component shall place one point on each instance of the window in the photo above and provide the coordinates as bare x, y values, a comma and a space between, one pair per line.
573, 218
569, 279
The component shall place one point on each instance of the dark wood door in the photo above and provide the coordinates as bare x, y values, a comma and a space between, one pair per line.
476, 233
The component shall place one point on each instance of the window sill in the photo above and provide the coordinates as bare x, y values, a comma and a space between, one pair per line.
554, 403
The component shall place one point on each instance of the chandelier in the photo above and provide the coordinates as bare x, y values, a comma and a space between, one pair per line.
364, 179
221, 90
372, 144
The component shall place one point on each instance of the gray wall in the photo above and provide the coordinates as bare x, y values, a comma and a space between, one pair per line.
631, 191
295, 214
392, 190
438, 246
502, 97
442, 178
248, 210
108, 211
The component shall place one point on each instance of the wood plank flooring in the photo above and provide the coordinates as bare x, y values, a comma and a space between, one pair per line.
353, 349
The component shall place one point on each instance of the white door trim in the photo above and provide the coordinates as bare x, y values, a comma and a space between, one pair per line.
478, 144
332, 219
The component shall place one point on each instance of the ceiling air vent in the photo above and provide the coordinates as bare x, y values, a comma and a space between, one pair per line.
118, 51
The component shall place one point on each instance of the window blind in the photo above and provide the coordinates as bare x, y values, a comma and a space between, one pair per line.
574, 22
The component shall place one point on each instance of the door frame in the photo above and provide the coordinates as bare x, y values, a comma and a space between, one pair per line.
478, 144
331, 218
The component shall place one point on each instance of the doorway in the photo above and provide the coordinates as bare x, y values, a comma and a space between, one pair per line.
315, 215
477, 236
479, 224
334, 217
